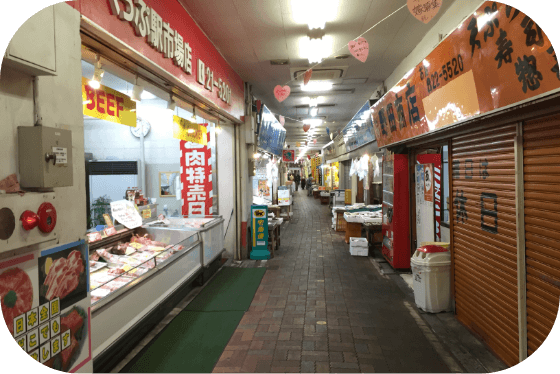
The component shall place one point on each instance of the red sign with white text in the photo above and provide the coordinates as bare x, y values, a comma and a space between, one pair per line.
497, 57
196, 178
164, 33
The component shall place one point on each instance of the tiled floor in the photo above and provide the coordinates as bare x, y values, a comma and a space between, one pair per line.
319, 309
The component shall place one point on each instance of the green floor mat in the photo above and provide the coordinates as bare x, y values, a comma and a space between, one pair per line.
192, 343
195, 339
231, 289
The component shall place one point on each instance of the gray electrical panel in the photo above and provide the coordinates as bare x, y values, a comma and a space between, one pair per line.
45, 157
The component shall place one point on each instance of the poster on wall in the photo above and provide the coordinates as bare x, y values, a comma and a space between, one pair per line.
264, 189
497, 57
424, 204
196, 178
46, 306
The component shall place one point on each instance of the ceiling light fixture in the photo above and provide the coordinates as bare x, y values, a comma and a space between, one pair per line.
137, 91
98, 72
171, 104
314, 110
315, 13
317, 86
316, 49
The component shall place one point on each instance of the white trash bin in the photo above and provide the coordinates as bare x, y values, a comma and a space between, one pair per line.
431, 271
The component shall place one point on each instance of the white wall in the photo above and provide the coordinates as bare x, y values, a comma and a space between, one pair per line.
60, 101
457, 12
226, 185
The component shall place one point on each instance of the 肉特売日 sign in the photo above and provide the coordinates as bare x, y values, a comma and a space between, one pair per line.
271, 133
108, 104
497, 57
259, 215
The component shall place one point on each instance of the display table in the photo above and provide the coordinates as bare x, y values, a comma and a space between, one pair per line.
273, 236
373, 233
353, 230
340, 221
276, 210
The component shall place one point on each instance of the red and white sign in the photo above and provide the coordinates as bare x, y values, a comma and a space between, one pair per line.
164, 33
196, 178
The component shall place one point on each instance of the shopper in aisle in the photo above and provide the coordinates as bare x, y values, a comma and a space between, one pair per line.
297, 180
303, 183
309, 186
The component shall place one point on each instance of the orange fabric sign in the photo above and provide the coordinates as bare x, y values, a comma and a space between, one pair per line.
108, 104
497, 57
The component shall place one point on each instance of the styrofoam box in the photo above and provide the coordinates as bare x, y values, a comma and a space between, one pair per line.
352, 218
358, 242
359, 251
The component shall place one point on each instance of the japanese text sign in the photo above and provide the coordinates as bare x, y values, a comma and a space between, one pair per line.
165, 34
359, 130
108, 104
271, 133
189, 131
288, 156
260, 227
497, 57
125, 212
196, 179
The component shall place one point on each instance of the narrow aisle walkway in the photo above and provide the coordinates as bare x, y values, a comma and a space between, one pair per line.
318, 309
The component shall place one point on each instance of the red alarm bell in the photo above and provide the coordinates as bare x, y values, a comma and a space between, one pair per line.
47, 217
29, 220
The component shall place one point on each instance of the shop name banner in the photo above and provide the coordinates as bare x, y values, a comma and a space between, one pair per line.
271, 134
497, 57
288, 156
359, 130
189, 131
108, 104
165, 33
196, 178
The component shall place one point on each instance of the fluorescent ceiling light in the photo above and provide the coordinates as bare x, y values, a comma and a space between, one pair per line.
316, 49
98, 72
171, 104
317, 86
314, 110
313, 121
315, 13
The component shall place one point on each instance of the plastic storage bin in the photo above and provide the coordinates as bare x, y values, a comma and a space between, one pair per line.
431, 270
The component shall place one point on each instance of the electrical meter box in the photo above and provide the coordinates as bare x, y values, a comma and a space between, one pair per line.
45, 157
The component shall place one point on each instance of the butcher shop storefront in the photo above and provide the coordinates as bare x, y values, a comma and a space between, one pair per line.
160, 110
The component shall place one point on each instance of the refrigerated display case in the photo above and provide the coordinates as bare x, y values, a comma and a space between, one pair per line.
396, 234
139, 271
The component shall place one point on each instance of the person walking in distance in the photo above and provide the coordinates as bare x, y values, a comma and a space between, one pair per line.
303, 184
297, 180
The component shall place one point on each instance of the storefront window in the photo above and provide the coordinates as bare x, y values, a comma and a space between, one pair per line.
114, 160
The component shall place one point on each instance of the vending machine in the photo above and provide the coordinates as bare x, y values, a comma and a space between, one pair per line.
396, 233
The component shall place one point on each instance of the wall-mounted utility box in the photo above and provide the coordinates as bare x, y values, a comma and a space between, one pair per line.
45, 157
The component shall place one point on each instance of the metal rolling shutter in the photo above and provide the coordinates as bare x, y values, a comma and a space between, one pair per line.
347, 179
541, 161
485, 239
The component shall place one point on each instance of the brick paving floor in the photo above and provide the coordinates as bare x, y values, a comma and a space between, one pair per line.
319, 309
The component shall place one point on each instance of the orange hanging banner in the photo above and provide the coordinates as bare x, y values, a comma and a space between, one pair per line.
497, 57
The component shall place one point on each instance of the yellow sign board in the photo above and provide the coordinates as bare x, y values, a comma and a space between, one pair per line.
189, 131
108, 104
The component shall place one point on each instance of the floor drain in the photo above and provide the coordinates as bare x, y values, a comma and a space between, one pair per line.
321, 322
320, 280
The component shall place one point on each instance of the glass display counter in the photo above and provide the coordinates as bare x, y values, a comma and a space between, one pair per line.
132, 273
210, 229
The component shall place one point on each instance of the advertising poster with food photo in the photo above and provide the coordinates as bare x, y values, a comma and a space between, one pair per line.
52, 327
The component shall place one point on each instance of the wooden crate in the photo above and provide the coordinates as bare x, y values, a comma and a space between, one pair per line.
324, 200
353, 230
340, 222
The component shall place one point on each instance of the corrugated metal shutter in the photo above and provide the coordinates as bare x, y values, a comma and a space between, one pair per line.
485, 238
347, 180
541, 159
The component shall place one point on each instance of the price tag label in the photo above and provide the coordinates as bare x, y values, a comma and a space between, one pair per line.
110, 231
94, 236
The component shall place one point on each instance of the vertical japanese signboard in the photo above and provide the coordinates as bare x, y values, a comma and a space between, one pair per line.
497, 57
259, 215
196, 178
